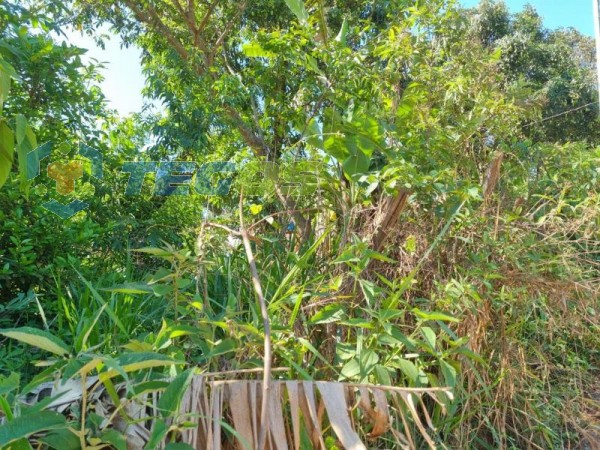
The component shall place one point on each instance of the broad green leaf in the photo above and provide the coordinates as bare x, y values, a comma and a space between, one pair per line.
369, 290
449, 373
368, 360
407, 368
37, 338
330, 313
471, 355
351, 369
297, 7
26, 142
21, 444
429, 336
62, 440
171, 398
5, 408
25, 426
383, 375
313, 134
357, 322
356, 163
7, 68
149, 386
116, 439
223, 347
7, 149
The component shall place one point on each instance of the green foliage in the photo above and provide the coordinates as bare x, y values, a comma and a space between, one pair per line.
553, 68
484, 281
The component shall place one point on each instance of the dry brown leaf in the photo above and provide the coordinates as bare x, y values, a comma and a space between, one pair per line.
337, 411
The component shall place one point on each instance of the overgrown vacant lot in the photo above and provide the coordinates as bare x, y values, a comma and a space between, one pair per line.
344, 224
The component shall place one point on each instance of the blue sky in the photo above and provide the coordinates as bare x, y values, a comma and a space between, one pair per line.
556, 13
124, 80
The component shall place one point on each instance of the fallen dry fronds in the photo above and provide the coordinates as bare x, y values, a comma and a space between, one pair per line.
348, 412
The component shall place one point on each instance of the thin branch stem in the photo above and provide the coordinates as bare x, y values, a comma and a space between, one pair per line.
264, 410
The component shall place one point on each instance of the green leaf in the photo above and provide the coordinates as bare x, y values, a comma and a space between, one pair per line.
356, 163
116, 439
26, 142
313, 134
7, 68
341, 37
131, 362
178, 446
362, 366
286, 282
154, 251
351, 369
4, 88
37, 338
369, 290
149, 386
146, 359
330, 313
24, 426
21, 126
171, 398
62, 440
429, 336
254, 50
368, 360
109, 310
223, 347
159, 431
434, 315
449, 373
407, 368
7, 148
297, 7
383, 375
9, 383
130, 288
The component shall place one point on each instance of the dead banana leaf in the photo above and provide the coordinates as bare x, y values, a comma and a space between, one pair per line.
225, 414
314, 408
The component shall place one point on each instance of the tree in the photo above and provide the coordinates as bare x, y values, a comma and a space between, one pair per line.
557, 67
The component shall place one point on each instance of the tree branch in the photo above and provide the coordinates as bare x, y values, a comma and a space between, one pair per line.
264, 410
153, 19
